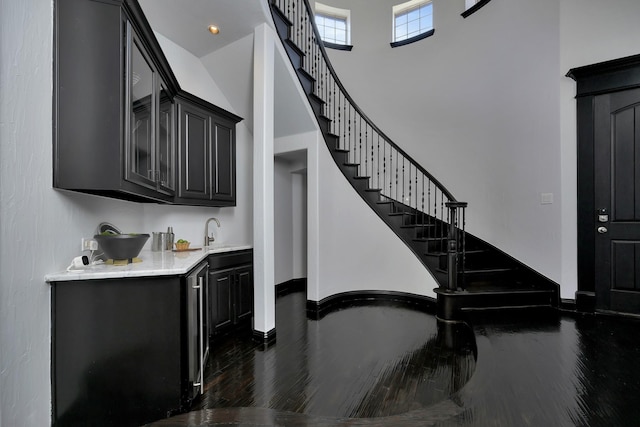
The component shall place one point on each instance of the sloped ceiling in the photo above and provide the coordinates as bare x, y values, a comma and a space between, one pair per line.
228, 56
185, 22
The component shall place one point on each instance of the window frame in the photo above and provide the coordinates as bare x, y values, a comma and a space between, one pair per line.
406, 7
336, 14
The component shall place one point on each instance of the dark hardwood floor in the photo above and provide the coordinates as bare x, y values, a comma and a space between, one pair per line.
390, 365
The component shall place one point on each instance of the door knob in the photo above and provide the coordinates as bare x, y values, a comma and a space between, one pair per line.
602, 230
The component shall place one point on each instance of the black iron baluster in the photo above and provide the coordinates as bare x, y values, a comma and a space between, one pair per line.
359, 127
377, 158
390, 172
422, 213
416, 184
464, 247
410, 194
349, 133
403, 179
384, 166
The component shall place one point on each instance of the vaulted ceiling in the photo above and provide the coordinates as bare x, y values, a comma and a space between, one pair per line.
185, 23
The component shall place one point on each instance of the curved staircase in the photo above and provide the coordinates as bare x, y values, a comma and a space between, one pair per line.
471, 273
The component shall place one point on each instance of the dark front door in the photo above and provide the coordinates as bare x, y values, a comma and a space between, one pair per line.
617, 201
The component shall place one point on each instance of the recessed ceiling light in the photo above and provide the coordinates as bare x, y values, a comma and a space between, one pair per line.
213, 29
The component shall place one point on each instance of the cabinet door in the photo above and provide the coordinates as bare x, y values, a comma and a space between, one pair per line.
140, 147
166, 144
113, 343
244, 294
224, 162
220, 302
194, 139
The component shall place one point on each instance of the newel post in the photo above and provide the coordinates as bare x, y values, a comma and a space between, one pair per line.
455, 242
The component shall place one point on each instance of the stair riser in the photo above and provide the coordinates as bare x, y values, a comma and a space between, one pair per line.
473, 261
433, 231
282, 25
452, 307
325, 127
431, 246
317, 106
306, 81
294, 54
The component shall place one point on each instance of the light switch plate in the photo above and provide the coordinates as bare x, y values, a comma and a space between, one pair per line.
546, 198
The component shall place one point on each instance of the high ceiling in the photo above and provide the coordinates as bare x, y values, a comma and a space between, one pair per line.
185, 22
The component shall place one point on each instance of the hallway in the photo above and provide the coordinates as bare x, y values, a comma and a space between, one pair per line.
388, 364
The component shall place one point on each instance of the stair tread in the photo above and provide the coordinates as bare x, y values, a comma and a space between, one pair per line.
307, 74
504, 286
317, 98
509, 291
294, 46
489, 270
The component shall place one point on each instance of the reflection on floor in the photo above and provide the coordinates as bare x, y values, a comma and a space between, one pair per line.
391, 365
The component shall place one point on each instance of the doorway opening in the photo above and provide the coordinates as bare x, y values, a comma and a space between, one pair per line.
290, 222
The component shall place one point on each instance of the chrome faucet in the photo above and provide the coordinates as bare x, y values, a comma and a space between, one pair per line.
208, 240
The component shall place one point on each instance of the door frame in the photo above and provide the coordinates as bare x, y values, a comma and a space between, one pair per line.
593, 80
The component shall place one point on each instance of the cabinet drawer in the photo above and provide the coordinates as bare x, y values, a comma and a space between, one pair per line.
230, 259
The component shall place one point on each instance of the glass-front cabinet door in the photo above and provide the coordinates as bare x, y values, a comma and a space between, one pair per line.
150, 141
166, 142
140, 127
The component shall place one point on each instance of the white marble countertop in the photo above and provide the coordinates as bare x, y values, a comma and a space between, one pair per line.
153, 264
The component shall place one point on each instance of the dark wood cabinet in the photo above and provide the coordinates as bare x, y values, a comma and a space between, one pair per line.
127, 351
244, 294
230, 290
113, 122
117, 354
221, 300
150, 143
207, 153
116, 129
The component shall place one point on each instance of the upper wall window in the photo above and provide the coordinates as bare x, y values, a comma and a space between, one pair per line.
470, 6
470, 3
333, 25
412, 19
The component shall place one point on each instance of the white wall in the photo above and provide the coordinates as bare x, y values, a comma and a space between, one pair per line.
290, 218
232, 68
188, 222
283, 220
484, 105
299, 202
589, 33
355, 249
40, 228
358, 251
